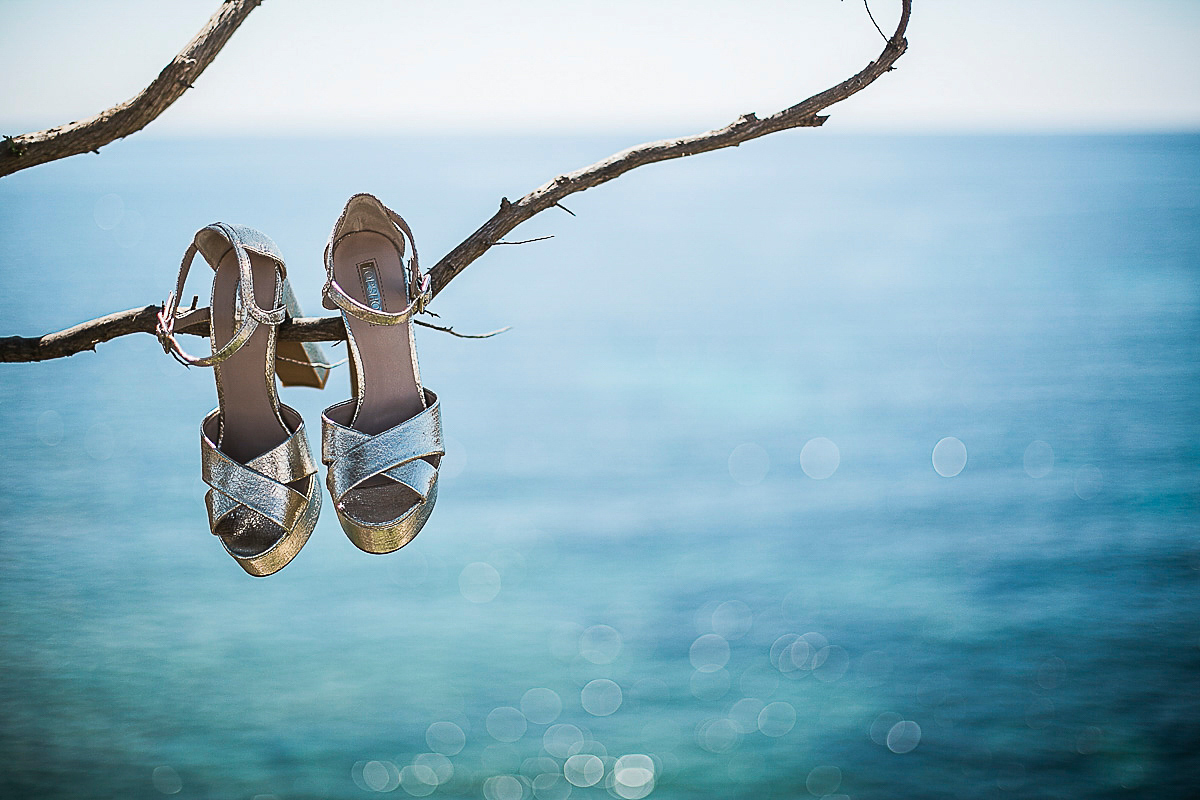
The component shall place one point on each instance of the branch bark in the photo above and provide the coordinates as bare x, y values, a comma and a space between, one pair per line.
89, 135
87, 335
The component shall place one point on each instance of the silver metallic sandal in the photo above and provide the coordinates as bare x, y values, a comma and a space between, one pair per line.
384, 445
264, 499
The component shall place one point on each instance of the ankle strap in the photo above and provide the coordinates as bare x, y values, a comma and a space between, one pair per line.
419, 287
240, 238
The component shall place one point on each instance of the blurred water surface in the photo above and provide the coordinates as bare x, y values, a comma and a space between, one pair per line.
825, 466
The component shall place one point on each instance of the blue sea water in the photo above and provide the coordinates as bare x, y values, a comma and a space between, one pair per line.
704, 528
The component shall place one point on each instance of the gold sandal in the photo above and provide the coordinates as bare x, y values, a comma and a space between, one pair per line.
264, 499
384, 445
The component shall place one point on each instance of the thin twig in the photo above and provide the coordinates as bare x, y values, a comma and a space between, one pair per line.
320, 364
527, 241
89, 135
867, 6
453, 332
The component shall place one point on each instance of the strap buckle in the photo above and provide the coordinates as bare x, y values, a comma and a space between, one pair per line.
164, 329
424, 295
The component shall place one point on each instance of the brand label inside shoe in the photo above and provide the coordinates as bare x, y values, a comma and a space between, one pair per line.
369, 273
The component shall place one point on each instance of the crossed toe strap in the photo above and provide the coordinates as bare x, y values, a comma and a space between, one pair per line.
261, 484
398, 453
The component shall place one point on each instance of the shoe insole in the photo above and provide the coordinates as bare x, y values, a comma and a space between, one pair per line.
368, 267
250, 426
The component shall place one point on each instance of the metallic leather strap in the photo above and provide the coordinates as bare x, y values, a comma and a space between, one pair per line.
241, 239
261, 483
419, 287
397, 453
345, 302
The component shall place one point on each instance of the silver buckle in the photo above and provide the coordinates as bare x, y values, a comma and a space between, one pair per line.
426, 294
164, 330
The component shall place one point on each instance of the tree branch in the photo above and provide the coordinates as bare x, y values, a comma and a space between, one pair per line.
89, 135
87, 335
745, 128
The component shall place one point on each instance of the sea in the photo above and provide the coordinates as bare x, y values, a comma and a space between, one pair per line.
833, 465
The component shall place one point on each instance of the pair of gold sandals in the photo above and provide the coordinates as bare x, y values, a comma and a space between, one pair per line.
383, 446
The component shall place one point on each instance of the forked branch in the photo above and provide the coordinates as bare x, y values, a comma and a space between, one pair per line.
89, 135
806, 113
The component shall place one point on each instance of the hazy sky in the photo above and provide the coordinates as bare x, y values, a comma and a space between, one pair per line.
307, 66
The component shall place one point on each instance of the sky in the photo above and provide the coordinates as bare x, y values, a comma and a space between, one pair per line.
310, 67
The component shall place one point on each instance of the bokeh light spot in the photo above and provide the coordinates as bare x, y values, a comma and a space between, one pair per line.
601, 697
583, 770
107, 211
541, 706
744, 713
382, 776
600, 644
559, 740
633, 776
479, 582
506, 724
949, 457
830, 663
776, 719
823, 780
709, 652
882, 725
419, 781
1088, 482
709, 685
732, 619
904, 737
50, 428
1039, 459
442, 767
1052, 673
781, 651
749, 464
820, 458
1039, 713
166, 780
445, 738
503, 787
798, 655
718, 735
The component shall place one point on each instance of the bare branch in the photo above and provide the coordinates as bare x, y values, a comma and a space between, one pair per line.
87, 335
76, 339
744, 129
89, 135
